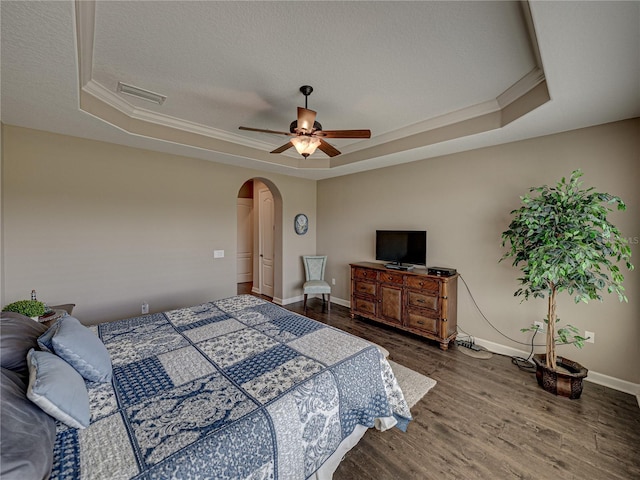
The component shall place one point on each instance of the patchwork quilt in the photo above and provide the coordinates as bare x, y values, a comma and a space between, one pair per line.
238, 388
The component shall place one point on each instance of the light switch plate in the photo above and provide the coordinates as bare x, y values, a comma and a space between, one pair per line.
218, 254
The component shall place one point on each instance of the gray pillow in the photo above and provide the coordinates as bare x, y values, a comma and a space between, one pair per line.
58, 389
18, 334
27, 434
79, 347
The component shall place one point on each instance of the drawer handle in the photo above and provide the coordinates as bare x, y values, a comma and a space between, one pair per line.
421, 301
421, 284
420, 323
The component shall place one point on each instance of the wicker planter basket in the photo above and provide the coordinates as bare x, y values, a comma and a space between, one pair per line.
566, 382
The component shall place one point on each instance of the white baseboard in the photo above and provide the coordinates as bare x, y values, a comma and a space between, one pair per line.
300, 298
340, 301
287, 301
593, 377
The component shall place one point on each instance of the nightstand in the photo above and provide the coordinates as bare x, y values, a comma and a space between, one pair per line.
60, 311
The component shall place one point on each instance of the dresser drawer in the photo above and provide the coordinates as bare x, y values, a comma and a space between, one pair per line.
422, 322
422, 300
364, 288
362, 305
389, 277
360, 273
421, 283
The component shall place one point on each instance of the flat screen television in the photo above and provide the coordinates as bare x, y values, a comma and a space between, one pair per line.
402, 246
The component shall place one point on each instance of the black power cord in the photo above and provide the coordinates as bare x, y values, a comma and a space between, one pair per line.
525, 363
520, 362
491, 324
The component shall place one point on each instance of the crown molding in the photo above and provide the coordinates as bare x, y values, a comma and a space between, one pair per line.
451, 118
520, 98
103, 94
519, 89
85, 18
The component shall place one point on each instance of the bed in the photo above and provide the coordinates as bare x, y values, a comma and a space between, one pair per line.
235, 388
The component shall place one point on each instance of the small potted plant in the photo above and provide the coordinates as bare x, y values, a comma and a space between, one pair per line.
561, 240
28, 308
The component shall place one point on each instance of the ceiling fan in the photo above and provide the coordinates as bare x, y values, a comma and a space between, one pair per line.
308, 134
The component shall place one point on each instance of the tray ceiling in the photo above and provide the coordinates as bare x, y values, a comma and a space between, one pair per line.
425, 77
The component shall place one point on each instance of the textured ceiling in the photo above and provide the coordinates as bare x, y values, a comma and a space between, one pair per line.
408, 71
241, 63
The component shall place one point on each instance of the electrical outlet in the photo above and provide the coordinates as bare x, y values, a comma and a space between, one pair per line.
590, 337
540, 326
218, 254
333, 281
145, 308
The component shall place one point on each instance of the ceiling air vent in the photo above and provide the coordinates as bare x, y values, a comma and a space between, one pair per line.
141, 93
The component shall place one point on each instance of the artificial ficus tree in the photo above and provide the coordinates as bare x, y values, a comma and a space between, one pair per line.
562, 241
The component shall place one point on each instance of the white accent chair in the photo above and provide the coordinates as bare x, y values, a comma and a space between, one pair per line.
314, 266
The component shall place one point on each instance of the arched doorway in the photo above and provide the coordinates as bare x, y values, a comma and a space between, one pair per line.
259, 239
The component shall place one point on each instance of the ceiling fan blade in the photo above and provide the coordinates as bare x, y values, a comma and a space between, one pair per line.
267, 131
306, 119
343, 133
328, 149
283, 148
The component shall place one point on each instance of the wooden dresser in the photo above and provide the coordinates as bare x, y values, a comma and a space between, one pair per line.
409, 300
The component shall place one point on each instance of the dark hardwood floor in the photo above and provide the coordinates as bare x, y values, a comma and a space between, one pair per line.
486, 419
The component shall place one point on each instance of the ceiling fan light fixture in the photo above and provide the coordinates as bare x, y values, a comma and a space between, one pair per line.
307, 133
305, 145
141, 93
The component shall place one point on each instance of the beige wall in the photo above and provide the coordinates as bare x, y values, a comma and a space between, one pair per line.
108, 227
463, 201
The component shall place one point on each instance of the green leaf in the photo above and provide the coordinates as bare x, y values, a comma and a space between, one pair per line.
562, 240
28, 308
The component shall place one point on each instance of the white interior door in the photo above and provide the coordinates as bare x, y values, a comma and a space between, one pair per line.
244, 259
266, 241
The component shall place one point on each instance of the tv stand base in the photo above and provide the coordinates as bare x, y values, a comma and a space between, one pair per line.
415, 302
395, 266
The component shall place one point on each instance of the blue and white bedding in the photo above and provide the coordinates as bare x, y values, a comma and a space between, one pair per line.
238, 388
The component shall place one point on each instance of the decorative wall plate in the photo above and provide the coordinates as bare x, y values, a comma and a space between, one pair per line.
301, 224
